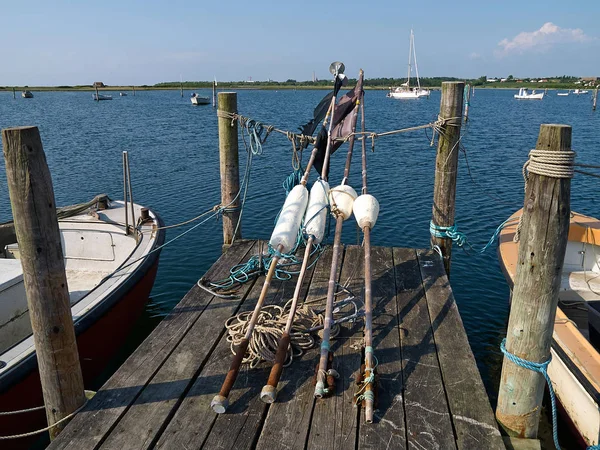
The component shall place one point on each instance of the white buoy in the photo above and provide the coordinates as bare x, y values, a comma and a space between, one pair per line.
341, 199
366, 210
316, 213
290, 219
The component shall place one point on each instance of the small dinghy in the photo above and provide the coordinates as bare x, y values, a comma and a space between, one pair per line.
525, 95
198, 100
575, 366
110, 273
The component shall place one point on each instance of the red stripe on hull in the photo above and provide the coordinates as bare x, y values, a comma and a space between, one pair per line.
97, 345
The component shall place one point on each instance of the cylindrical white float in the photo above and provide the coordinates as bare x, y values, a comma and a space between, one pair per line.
341, 199
316, 213
366, 210
290, 219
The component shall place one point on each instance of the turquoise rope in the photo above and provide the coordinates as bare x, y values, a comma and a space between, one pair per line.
543, 369
461, 239
293, 180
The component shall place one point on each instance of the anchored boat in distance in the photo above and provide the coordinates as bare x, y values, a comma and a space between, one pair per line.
405, 91
525, 95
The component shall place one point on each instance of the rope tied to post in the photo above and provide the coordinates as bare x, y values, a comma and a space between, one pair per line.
541, 368
451, 232
550, 164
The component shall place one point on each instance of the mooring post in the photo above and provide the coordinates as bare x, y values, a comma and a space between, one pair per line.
229, 162
133, 90
97, 96
214, 92
34, 212
467, 102
595, 99
446, 165
14, 95
543, 242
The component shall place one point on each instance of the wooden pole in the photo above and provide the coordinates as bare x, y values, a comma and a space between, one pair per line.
595, 99
34, 212
97, 96
133, 90
543, 242
230, 176
214, 94
446, 164
467, 102
14, 94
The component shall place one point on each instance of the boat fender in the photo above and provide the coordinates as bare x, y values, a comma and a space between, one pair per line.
290, 219
366, 210
341, 199
316, 213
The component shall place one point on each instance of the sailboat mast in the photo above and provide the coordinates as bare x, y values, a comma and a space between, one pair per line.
415, 56
410, 44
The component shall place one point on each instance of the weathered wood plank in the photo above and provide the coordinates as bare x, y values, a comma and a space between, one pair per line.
427, 417
472, 414
288, 419
388, 429
334, 420
145, 419
101, 414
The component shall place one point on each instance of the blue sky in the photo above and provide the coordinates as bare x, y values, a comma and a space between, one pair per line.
144, 42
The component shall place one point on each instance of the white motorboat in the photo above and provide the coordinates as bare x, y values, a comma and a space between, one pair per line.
525, 95
199, 100
562, 94
27, 94
405, 91
123, 94
580, 91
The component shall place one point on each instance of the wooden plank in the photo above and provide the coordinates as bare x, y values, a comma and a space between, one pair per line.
193, 423
334, 420
388, 429
97, 419
472, 414
143, 422
288, 419
427, 417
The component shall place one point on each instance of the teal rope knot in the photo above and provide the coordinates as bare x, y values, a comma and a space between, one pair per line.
451, 232
539, 368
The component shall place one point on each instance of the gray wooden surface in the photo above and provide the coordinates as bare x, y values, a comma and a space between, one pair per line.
430, 393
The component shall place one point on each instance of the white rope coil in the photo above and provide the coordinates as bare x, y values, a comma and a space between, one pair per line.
548, 163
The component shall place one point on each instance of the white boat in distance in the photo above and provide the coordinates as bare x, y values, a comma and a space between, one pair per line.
525, 95
99, 97
405, 91
562, 94
198, 100
580, 91
123, 94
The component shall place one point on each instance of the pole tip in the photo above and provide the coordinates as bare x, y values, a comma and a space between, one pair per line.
268, 394
320, 389
219, 404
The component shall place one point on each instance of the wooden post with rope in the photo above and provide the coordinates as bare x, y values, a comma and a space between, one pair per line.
229, 163
36, 225
543, 241
446, 165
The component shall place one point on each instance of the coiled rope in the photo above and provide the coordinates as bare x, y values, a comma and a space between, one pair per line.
547, 163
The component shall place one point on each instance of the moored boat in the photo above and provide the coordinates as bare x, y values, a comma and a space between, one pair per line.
199, 100
580, 91
575, 366
525, 95
27, 94
123, 94
98, 97
405, 91
110, 273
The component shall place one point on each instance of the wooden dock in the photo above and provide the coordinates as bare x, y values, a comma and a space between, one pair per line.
430, 393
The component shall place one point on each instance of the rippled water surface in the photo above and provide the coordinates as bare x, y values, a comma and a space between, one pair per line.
173, 150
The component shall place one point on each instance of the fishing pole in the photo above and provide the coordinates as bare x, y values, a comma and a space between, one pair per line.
366, 210
314, 228
283, 241
341, 200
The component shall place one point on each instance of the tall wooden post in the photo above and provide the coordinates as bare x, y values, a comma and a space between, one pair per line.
97, 96
14, 95
214, 96
229, 162
595, 99
543, 242
133, 91
34, 212
467, 102
446, 164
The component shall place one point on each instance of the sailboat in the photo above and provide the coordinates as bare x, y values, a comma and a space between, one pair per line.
405, 90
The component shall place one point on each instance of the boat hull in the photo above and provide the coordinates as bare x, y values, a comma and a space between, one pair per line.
200, 100
96, 348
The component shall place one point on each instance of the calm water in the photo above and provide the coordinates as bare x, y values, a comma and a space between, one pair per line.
174, 156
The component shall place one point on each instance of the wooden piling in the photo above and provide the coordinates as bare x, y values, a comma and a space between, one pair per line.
543, 242
14, 95
133, 90
97, 96
34, 212
214, 96
595, 99
467, 102
446, 164
229, 162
